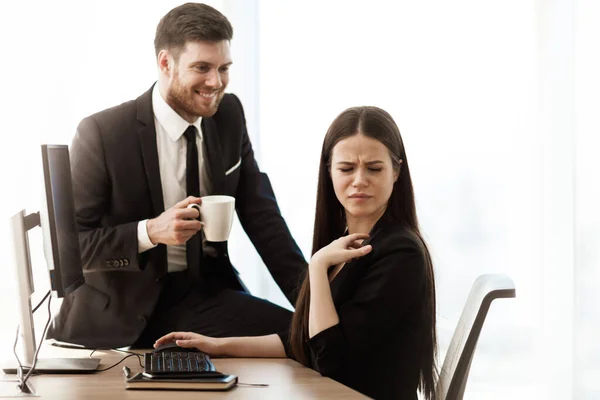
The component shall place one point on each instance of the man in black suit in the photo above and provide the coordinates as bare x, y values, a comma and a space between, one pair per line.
136, 168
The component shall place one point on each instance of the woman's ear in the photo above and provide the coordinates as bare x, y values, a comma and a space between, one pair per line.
397, 172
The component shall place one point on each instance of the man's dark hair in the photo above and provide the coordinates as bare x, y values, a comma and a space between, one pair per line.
190, 22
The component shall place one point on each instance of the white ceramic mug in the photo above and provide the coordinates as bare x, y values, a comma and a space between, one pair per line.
216, 213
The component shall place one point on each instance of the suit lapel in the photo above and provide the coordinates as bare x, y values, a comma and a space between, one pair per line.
213, 160
147, 135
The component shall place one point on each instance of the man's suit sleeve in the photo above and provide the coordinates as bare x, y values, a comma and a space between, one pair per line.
103, 247
261, 218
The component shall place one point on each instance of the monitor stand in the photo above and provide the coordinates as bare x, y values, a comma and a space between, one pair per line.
21, 223
59, 366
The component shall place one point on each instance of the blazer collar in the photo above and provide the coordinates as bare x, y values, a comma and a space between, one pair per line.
147, 135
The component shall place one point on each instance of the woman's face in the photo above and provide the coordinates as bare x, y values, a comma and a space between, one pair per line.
363, 176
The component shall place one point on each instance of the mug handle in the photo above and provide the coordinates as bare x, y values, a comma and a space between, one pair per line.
197, 207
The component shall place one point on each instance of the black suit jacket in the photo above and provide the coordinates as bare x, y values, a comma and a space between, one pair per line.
379, 299
116, 184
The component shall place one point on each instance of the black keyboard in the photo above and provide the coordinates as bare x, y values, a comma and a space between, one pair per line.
176, 364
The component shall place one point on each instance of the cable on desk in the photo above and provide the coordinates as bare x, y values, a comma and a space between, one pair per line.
253, 384
117, 363
15, 349
18, 328
17, 335
23, 380
131, 353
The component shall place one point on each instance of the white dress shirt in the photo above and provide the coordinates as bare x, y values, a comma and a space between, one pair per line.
172, 147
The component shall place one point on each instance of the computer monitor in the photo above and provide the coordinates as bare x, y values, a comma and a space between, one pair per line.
62, 253
57, 215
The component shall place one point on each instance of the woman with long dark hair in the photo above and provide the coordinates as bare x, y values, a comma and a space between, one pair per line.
365, 315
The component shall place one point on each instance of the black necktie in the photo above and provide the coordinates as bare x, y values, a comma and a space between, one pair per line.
192, 181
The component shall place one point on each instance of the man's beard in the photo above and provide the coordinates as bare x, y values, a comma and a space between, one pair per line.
182, 101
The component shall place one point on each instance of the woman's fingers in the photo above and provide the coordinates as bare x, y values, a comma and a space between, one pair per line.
186, 343
172, 337
354, 237
356, 253
357, 244
352, 253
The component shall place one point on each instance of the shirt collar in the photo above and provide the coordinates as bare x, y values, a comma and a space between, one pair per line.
171, 122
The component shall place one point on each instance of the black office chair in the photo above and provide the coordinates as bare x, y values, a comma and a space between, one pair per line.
455, 370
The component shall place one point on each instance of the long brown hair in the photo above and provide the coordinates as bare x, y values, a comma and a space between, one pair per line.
330, 223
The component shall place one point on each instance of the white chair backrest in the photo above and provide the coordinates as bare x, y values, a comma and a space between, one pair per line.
455, 370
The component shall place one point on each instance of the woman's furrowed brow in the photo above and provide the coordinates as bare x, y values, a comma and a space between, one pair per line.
353, 163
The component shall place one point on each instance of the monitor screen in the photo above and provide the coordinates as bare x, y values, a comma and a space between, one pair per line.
57, 218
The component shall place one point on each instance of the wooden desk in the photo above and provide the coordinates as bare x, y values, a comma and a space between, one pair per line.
287, 380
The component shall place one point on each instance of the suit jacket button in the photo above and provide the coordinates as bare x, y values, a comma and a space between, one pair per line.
159, 279
143, 319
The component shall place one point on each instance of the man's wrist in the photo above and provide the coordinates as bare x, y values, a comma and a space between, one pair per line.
150, 230
144, 241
